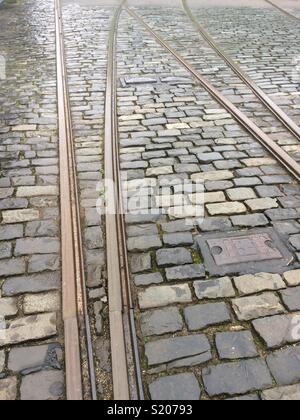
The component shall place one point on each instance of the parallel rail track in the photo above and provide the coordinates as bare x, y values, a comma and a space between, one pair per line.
126, 369
281, 9
277, 112
124, 345
78, 341
274, 149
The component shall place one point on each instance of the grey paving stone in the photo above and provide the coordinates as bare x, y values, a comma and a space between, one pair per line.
161, 321
282, 214
9, 232
39, 263
174, 256
284, 393
171, 349
271, 191
176, 226
43, 245
250, 220
214, 289
291, 298
12, 266
202, 316
35, 358
215, 224
8, 389
5, 249
148, 279
185, 272
236, 345
143, 243
175, 388
237, 378
284, 365
176, 239
42, 228
278, 330
295, 241
140, 263
157, 296
252, 307
13, 203
35, 283
142, 230
42, 386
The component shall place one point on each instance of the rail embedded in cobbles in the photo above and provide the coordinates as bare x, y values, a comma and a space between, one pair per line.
196, 327
31, 338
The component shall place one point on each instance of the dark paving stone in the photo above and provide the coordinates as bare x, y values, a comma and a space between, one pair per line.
176, 388
175, 256
291, 298
271, 191
161, 321
175, 239
202, 316
171, 349
287, 228
11, 232
285, 365
185, 272
215, 224
35, 358
140, 263
41, 386
235, 345
282, 214
31, 284
237, 378
143, 243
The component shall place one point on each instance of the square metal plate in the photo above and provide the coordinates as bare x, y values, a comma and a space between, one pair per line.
252, 251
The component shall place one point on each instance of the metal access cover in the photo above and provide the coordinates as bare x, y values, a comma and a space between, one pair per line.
248, 252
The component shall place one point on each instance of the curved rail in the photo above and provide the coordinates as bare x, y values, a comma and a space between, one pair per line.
124, 346
292, 127
286, 12
77, 332
284, 158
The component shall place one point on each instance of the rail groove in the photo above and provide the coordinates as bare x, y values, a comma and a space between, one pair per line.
121, 309
77, 331
286, 12
292, 127
284, 158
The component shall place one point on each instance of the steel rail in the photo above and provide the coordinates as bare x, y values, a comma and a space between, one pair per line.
75, 312
292, 127
284, 158
281, 9
121, 309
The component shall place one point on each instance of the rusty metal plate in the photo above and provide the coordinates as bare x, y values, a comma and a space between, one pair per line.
246, 248
248, 252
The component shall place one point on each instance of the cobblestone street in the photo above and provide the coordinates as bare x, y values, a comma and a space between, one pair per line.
212, 306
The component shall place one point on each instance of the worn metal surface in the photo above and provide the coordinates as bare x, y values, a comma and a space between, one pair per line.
245, 252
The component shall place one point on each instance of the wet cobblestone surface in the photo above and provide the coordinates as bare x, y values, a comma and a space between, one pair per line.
203, 336
29, 229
